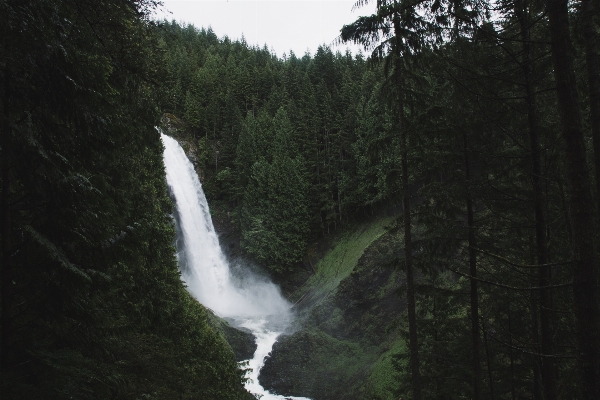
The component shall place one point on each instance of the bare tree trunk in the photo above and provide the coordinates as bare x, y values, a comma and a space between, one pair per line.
593, 68
533, 306
537, 388
585, 279
539, 203
489, 362
473, 272
410, 286
7, 273
408, 256
512, 358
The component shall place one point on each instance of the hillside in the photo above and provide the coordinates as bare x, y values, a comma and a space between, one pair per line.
471, 131
350, 331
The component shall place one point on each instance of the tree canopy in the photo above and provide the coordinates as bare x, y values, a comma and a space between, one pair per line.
92, 301
498, 179
474, 123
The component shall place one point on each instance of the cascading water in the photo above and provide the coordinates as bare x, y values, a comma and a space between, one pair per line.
253, 303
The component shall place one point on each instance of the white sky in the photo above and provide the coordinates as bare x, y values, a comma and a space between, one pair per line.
299, 25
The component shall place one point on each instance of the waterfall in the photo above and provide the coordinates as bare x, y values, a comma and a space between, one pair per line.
253, 302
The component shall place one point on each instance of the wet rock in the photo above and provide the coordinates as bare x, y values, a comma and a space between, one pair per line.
332, 356
241, 340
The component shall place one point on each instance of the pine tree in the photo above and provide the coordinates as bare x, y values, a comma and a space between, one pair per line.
274, 213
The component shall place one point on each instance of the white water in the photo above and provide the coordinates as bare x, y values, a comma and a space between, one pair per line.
254, 303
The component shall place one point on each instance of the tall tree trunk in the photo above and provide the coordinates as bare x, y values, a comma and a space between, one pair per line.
488, 361
473, 272
539, 205
410, 285
510, 353
7, 273
535, 335
536, 384
593, 68
585, 279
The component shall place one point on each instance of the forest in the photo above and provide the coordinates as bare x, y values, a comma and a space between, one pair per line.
473, 127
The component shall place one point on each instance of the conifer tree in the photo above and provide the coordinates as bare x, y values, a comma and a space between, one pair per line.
585, 269
275, 211
93, 305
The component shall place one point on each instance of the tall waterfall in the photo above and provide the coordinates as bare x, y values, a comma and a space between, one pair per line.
252, 302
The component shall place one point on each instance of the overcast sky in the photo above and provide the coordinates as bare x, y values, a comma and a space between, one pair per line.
299, 25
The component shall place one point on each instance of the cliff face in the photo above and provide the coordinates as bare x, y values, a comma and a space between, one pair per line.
350, 334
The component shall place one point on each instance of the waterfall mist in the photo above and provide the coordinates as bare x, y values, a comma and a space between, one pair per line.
203, 265
249, 300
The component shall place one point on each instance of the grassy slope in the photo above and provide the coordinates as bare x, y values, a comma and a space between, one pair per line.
338, 262
347, 345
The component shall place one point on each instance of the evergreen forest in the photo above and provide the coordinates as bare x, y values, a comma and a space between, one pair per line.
463, 145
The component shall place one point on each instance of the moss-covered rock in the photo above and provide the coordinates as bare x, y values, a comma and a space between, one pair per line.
351, 335
314, 364
241, 340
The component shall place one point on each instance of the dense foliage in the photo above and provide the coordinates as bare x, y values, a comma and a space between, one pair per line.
92, 302
472, 122
479, 120
282, 144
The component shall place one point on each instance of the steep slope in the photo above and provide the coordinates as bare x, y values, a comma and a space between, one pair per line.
346, 346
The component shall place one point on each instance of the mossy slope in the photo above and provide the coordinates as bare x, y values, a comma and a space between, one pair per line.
348, 341
337, 263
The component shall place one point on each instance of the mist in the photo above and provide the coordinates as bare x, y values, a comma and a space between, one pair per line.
203, 265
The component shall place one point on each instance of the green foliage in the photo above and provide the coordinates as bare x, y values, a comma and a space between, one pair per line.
339, 262
236, 96
274, 213
350, 336
384, 383
289, 151
92, 301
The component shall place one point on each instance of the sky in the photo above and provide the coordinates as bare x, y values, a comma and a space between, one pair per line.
283, 25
